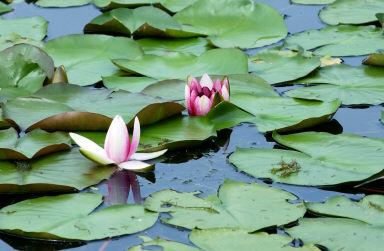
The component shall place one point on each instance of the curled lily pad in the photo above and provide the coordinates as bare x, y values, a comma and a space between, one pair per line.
340, 40
31, 145
143, 21
375, 59
170, 5
9, 40
4, 8
70, 216
238, 205
351, 85
58, 172
91, 62
180, 66
285, 114
276, 65
70, 108
30, 27
60, 3
351, 11
234, 23
318, 163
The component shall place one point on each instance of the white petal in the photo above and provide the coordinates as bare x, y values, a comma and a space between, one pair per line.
134, 165
147, 156
102, 160
206, 81
116, 143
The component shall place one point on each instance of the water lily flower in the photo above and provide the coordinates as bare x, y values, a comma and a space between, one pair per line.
118, 149
202, 96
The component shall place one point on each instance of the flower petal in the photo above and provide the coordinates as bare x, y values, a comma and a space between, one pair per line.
202, 105
96, 157
147, 156
217, 85
116, 143
194, 84
134, 165
225, 93
192, 101
135, 138
206, 81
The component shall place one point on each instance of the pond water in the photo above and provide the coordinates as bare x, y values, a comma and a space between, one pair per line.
202, 168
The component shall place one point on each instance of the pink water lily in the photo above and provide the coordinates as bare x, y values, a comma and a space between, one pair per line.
117, 149
200, 96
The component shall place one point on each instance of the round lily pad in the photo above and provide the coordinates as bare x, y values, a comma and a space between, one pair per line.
29, 27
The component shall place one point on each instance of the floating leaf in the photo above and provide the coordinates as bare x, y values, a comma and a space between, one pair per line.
170, 5
63, 171
219, 239
143, 21
238, 205
324, 159
351, 11
180, 66
319, 2
338, 234
341, 40
369, 210
351, 85
31, 145
4, 8
195, 46
234, 23
132, 84
70, 108
285, 114
9, 40
30, 27
93, 54
70, 216
276, 65
375, 59
61, 3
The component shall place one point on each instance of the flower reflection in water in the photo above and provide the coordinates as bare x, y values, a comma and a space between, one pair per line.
119, 186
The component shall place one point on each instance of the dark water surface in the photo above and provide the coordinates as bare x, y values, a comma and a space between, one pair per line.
206, 167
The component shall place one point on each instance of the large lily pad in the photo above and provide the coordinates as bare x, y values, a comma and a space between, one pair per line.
195, 46
351, 11
285, 114
180, 66
170, 5
234, 23
31, 145
238, 205
61, 3
70, 108
375, 59
4, 8
324, 159
9, 40
369, 210
311, 2
70, 216
338, 234
276, 65
131, 84
219, 239
351, 85
63, 171
30, 27
341, 40
93, 54
143, 21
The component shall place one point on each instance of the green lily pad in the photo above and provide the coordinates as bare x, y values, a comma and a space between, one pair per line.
143, 21
313, 2
4, 8
70, 216
238, 205
58, 172
170, 5
239, 83
285, 114
276, 65
375, 59
341, 40
71, 108
31, 145
131, 84
351, 11
219, 239
234, 23
180, 66
61, 3
9, 40
369, 210
318, 163
351, 85
195, 46
380, 18
338, 234
93, 54
30, 27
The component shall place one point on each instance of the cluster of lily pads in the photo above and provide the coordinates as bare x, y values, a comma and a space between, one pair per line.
140, 53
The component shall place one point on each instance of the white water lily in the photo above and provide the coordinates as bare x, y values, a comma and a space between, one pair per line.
117, 149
